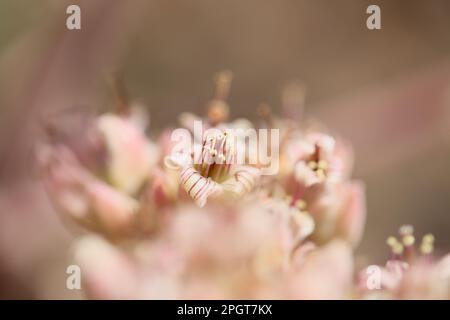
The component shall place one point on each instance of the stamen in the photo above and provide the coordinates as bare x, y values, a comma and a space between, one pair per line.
217, 156
312, 165
427, 245
396, 248
410, 252
408, 240
318, 166
322, 164
301, 204
391, 241
320, 174
264, 112
223, 82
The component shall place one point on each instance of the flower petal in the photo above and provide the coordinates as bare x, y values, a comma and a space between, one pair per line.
131, 155
198, 187
114, 210
243, 180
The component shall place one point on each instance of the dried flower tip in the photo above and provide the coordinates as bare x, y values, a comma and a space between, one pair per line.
293, 99
117, 84
218, 112
264, 111
223, 82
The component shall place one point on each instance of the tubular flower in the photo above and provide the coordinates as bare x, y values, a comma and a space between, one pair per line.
318, 158
214, 171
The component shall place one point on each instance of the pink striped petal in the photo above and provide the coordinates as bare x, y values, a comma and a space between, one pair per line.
198, 187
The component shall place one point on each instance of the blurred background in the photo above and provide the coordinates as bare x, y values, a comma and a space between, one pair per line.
387, 91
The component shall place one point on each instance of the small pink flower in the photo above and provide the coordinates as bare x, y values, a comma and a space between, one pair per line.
131, 156
215, 173
101, 198
82, 196
318, 158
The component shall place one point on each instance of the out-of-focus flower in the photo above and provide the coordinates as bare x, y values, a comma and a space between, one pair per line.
410, 272
80, 195
131, 156
218, 110
214, 173
315, 173
318, 158
210, 168
327, 273
225, 252
104, 199
339, 211
246, 235
149, 271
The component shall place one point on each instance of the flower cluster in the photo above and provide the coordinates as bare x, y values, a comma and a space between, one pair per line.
411, 272
155, 223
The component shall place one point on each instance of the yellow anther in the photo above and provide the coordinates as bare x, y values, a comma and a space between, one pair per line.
427, 245
397, 248
391, 241
312, 165
301, 204
408, 240
322, 164
428, 238
320, 174
426, 248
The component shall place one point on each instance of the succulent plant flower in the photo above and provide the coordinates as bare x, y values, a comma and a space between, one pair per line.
199, 220
104, 199
318, 158
214, 171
